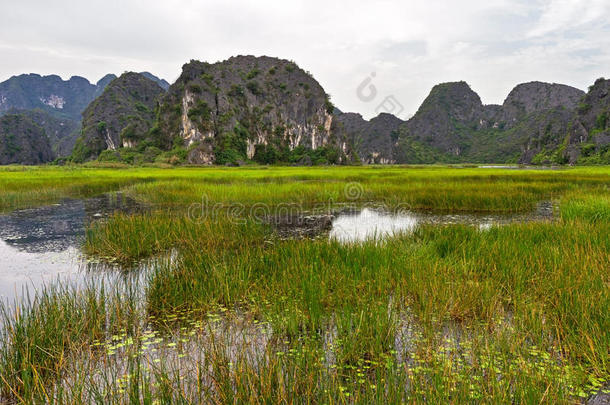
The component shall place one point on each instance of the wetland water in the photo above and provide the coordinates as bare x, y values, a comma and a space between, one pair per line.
40, 246
368, 223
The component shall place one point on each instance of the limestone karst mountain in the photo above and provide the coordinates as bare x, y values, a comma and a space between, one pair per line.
248, 107
62, 98
269, 110
119, 118
373, 140
539, 123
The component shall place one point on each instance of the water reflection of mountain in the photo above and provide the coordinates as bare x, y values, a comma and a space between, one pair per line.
56, 227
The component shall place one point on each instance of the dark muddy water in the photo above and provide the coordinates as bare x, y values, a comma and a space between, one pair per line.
42, 245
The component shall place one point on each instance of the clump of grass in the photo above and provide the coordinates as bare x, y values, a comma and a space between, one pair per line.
127, 239
38, 334
589, 207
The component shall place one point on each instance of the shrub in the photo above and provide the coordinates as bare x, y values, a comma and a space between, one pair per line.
265, 154
208, 79
254, 88
236, 91
201, 109
101, 126
252, 74
584, 108
150, 154
587, 150
129, 132
109, 156
232, 146
330, 108
141, 107
175, 156
81, 152
228, 156
602, 121
195, 88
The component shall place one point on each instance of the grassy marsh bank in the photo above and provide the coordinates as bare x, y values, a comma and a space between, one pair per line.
427, 187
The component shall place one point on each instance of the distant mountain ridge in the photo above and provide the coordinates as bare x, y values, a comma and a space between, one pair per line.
268, 110
453, 125
66, 98
62, 98
54, 104
161, 82
532, 126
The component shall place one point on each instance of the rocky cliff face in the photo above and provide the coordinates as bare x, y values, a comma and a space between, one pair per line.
62, 132
22, 141
594, 110
452, 125
121, 117
539, 131
245, 107
446, 118
374, 141
571, 127
528, 98
589, 134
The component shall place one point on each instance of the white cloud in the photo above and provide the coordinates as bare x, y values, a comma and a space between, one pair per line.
410, 45
563, 15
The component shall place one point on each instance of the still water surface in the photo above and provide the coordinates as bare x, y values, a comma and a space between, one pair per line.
42, 245
369, 223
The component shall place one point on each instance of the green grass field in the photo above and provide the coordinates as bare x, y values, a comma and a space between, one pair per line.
234, 314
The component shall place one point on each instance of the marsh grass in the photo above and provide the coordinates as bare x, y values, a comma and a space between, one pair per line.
477, 367
437, 188
39, 333
458, 270
450, 314
555, 302
587, 207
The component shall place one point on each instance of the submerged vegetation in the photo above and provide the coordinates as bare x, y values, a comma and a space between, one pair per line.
232, 313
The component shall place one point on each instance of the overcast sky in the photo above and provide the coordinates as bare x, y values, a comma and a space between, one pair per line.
407, 45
